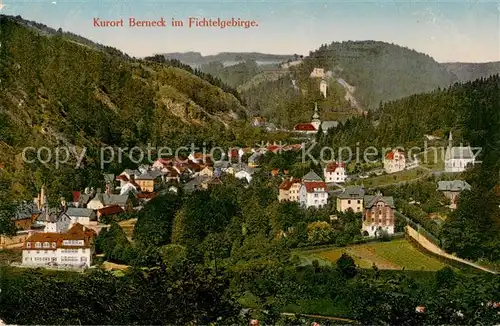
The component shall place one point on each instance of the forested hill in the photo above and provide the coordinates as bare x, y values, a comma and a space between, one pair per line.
379, 71
197, 59
471, 71
58, 90
471, 110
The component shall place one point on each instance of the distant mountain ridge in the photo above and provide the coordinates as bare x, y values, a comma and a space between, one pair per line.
471, 71
197, 59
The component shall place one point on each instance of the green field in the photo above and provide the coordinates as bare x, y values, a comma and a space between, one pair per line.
432, 160
392, 255
393, 178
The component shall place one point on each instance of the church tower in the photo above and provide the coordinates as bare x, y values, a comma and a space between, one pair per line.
315, 118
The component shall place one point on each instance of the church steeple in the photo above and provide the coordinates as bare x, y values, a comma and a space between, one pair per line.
450, 140
315, 116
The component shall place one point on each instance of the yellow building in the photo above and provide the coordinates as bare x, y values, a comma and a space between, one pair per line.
351, 197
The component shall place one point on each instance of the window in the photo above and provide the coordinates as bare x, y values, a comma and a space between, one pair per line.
349, 201
28, 244
53, 244
83, 259
38, 245
46, 245
359, 201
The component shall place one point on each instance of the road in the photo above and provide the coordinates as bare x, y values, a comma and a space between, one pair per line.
424, 242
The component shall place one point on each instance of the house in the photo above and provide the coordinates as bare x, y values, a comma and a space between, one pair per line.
245, 173
207, 182
313, 194
313, 191
26, 214
289, 190
253, 160
109, 211
318, 73
222, 166
378, 216
258, 121
457, 159
327, 125
149, 181
81, 200
72, 248
170, 175
54, 221
81, 215
351, 198
394, 161
127, 176
335, 172
452, 190
162, 163
207, 172
102, 200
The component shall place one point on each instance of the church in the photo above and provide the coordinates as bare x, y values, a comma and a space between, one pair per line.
457, 158
313, 126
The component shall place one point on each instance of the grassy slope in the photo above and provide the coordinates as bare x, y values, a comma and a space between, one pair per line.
57, 89
392, 255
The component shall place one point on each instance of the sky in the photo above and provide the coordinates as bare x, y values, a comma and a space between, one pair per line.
449, 31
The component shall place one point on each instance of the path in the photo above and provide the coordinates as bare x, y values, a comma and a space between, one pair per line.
321, 317
424, 242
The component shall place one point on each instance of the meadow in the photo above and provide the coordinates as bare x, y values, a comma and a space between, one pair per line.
392, 255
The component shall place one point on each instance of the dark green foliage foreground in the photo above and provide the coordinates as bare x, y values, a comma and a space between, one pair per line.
158, 296
185, 293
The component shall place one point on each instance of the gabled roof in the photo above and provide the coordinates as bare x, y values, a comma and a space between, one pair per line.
312, 176
459, 153
110, 210
304, 127
287, 184
325, 125
122, 177
112, 199
352, 192
455, 185
332, 166
315, 186
145, 176
390, 155
370, 201
76, 232
79, 212
25, 211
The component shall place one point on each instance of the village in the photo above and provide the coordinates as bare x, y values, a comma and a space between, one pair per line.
63, 236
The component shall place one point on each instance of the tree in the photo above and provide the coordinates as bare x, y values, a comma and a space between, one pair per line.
155, 220
346, 266
319, 233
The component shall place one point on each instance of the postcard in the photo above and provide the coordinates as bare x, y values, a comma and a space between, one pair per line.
243, 162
